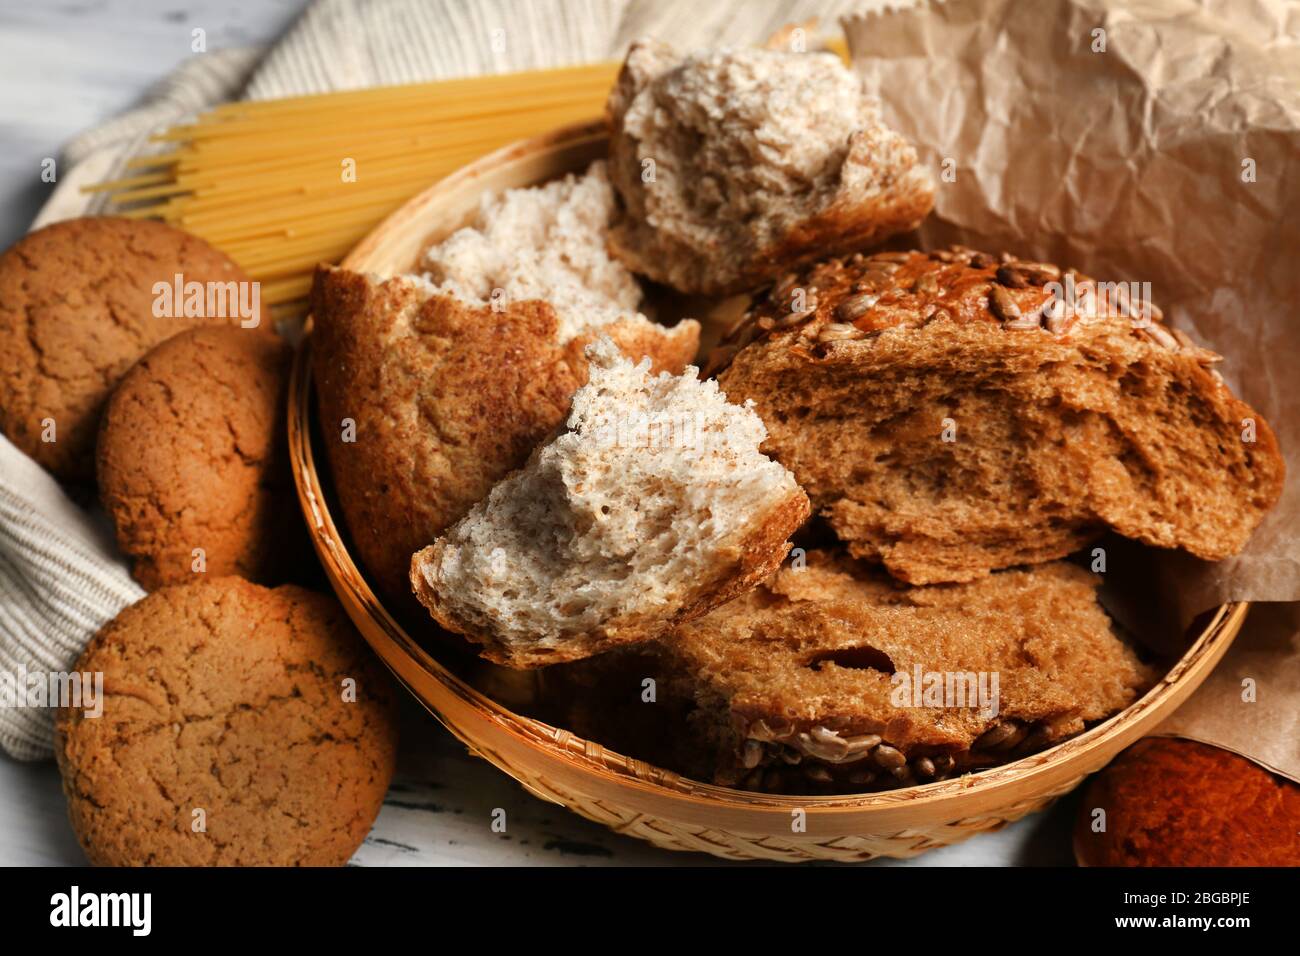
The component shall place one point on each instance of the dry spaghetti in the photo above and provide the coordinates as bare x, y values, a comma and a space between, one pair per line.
281, 185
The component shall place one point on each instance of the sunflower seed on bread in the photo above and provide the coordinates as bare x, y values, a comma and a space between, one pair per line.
976, 422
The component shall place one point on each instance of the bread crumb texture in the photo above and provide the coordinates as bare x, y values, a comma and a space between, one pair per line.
1174, 802
652, 507
444, 399
192, 455
733, 164
944, 435
225, 737
812, 655
76, 311
542, 242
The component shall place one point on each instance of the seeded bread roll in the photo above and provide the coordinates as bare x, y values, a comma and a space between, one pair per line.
444, 399
761, 160
1171, 802
654, 507
795, 684
949, 415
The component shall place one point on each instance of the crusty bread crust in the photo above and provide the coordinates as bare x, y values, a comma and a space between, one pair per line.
695, 227
446, 399
759, 556
810, 656
651, 507
947, 426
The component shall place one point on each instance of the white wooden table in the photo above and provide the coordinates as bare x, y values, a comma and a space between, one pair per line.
67, 66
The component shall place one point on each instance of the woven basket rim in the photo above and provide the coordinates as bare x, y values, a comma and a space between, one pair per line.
411, 663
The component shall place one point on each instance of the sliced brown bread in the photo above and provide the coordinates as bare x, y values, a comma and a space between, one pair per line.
427, 401
948, 419
796, 688
733, 164
652, 508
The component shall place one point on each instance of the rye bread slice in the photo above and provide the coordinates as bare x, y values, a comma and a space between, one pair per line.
762, 159
444, 398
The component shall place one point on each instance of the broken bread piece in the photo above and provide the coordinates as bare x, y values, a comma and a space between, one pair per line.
951, 413
542, 242
426, 401
652, 508
833, 678
451, 378
732, 165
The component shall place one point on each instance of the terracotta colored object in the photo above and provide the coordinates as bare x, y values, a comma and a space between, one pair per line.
1174, 802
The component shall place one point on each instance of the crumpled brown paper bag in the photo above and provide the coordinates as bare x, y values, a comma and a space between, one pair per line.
1144, 141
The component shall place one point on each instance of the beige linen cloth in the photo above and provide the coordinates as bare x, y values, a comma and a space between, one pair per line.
60, 578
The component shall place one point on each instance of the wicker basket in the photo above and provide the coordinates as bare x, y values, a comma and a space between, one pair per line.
631, 796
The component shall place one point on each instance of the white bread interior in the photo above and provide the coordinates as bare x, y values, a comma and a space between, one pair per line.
652, 507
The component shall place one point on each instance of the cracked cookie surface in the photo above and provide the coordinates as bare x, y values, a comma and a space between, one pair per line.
225, 697
76, 310
192, 454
